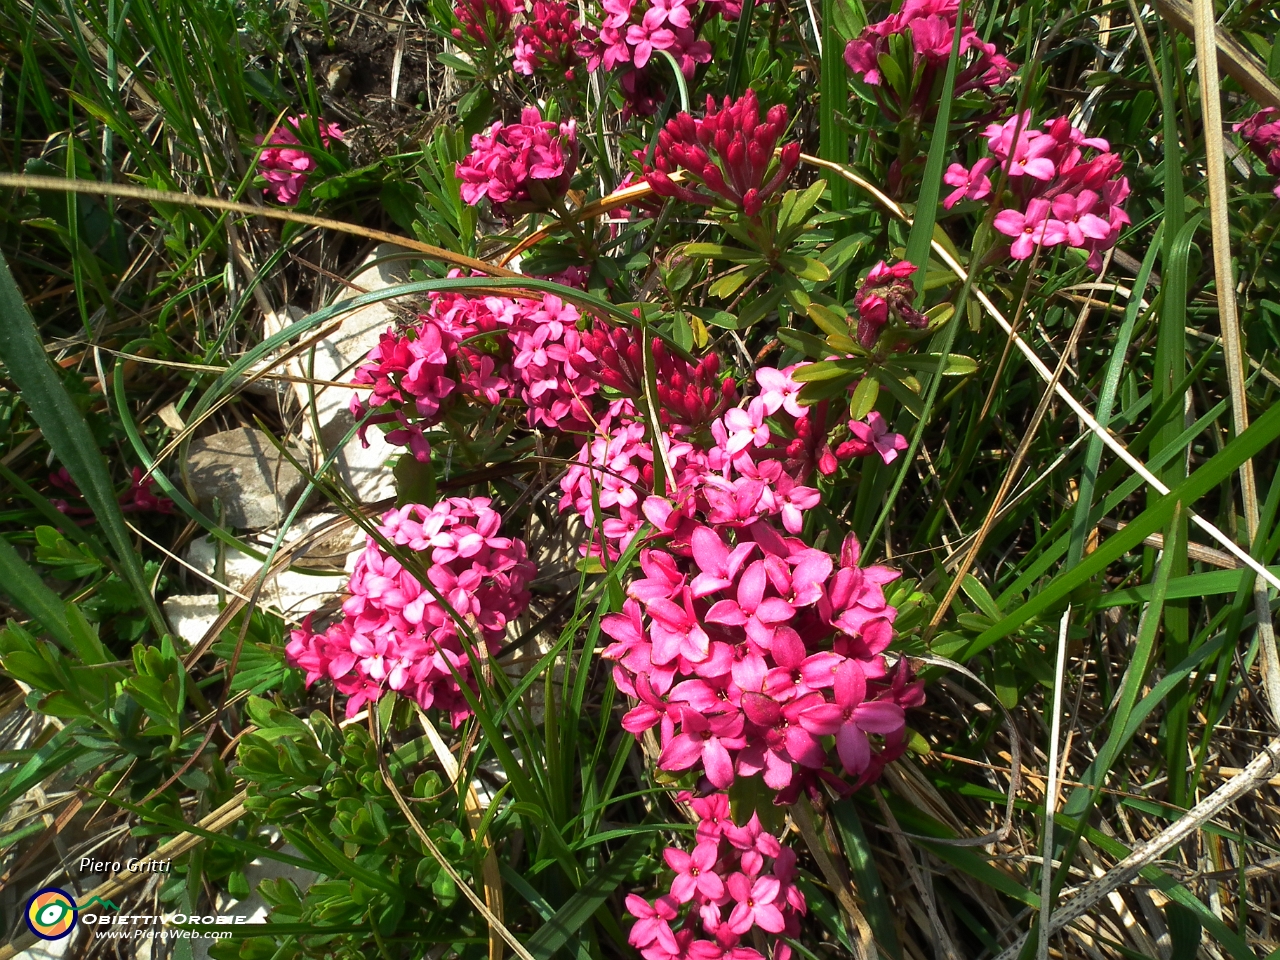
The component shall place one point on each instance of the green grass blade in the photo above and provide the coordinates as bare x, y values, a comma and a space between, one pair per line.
65, 429
859, 855
741, 40
931, 185
579, 908
1261, 433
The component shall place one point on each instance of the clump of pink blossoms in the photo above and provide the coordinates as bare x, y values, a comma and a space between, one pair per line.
141, 497
736, 880
408, 376
488, 348
631, 34
727, 155
928, 27
723, 465
520, 167
1261, 133
285, 163
548, 40
761, 655
887, 293
1056, 195
395, 635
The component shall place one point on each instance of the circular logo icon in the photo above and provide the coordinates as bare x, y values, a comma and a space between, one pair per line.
51, 913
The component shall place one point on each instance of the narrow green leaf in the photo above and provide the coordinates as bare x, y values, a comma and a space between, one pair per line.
580, 907
861, 860
1248, 444
28, 592
918, 241
65, 429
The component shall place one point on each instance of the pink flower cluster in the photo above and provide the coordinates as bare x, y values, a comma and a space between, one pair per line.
482, 347
727, 155
548, 39
485, 22
632, 32
761, 655
1261, 133
726, 466
285, 163
928, 29
395, 634
1056, 195
737, 879
887, 293
407, 374
522, 166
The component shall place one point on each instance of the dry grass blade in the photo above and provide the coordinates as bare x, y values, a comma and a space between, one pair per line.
124, 881
26, 182
1105, 435
1028, 437
494, 922
619, 198
1239, 64
1260, 770
861, 936
1229, 320
1051, 787
475, 814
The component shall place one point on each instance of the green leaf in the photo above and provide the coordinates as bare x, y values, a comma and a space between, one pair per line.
828, 370
918, 243
727, 285
957, 365
861, 860
806, 343
828, 321
805, 268
64, 427
796, 206
718, 251
28, 592
864, 397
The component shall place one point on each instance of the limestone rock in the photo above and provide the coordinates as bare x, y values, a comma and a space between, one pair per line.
364, 469
255, 482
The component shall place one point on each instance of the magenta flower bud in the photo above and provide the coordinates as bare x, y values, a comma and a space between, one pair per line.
728, 153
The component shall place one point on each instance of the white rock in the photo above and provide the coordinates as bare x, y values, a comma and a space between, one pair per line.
191, 616
364, 469
255, 482
290, 591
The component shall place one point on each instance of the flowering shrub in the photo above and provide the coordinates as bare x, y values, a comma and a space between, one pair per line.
1056, 195
1261, 132
413, 638
709, 449
737, 879
520, 166
285, 163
